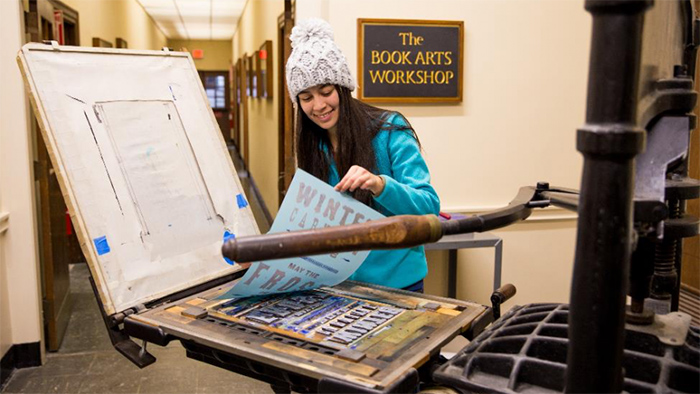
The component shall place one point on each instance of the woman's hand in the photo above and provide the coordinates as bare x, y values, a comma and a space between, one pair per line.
359, 177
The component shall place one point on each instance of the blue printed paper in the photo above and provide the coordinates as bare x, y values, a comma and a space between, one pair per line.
309, 203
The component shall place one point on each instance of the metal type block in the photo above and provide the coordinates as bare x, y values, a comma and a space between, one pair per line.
365, 325
194, 312
349, 354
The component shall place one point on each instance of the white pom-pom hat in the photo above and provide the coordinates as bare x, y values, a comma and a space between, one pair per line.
315, 59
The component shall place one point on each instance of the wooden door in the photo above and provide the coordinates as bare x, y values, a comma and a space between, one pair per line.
286, 159
59, 246
243, 109
236, 104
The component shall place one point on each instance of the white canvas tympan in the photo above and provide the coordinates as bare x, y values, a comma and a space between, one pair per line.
142, 163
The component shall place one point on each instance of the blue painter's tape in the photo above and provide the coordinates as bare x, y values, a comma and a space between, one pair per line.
228, 236
242, 203
101, 245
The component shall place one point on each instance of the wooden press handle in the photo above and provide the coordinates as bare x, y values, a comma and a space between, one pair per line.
506, 292
395, 232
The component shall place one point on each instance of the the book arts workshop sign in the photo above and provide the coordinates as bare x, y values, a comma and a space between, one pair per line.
410, 60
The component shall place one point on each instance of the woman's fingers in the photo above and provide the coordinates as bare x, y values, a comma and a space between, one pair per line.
354, 178
358, 177
348, 179
359, 181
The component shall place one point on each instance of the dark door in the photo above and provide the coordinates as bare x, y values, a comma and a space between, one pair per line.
59, 247
216, 85
236, 104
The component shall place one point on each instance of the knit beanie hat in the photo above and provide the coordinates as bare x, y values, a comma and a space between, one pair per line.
315, 58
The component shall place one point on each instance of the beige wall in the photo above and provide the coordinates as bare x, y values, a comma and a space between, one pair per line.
109, 19
525, 73
20, 308
258, 24
217, 53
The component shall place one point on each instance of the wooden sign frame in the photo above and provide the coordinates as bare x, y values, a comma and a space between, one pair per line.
459, 58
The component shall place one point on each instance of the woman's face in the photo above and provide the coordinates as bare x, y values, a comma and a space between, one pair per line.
320, 103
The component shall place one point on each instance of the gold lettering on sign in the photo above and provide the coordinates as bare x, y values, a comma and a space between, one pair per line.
412, 40
436, 75
412, 77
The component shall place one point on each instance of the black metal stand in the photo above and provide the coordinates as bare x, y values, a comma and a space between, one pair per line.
609, 142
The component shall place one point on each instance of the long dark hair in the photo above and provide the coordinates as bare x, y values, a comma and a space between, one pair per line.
358, 124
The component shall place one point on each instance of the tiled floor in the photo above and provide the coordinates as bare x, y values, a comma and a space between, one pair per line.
87, 362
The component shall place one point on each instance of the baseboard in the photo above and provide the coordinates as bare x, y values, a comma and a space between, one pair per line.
21, 355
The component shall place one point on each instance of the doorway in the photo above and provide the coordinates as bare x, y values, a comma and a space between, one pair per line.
217, 87
58, 243
286, 159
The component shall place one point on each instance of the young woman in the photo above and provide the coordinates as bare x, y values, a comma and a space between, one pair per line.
371, 153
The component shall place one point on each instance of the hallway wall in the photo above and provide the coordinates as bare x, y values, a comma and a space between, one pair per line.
217, 53
258, 24
109, 19
525, 73
20, 291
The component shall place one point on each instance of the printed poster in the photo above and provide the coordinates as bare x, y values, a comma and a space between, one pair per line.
309, 204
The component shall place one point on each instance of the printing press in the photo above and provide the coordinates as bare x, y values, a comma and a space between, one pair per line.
151, 229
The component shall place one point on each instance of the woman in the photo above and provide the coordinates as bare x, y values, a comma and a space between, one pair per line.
376, 150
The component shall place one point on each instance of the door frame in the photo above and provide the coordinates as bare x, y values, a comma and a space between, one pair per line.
286, 161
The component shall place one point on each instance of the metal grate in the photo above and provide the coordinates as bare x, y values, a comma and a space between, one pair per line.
525, 352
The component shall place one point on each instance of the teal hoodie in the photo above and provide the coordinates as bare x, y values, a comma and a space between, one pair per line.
407, 191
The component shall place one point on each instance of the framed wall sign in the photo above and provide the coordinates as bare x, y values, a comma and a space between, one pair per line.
100, 43
252, 76
121, 43
245, 77
410, 61
264, 67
